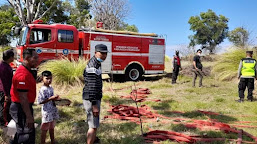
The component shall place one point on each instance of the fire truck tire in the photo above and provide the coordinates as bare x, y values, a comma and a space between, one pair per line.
133, 73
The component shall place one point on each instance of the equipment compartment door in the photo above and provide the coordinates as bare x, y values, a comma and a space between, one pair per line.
156, 54
107, 64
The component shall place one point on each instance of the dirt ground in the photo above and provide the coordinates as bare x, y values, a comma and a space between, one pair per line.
187, 71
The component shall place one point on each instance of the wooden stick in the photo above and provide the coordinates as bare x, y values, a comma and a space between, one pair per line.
239, 140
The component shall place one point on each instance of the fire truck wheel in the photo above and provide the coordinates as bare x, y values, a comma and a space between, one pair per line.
134, 73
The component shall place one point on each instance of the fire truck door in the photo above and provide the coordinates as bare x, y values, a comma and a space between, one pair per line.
107, 64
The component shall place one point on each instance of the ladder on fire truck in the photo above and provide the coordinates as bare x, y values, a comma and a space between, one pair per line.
119, 32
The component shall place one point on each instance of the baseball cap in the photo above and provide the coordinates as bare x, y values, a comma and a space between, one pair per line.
199, 50
101, 48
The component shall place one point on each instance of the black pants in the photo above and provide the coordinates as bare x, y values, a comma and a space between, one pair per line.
197, 73
7, 116
2, 108
175, 73
24, 135
246, 82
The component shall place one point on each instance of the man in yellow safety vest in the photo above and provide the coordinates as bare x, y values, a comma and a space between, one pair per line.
246, 74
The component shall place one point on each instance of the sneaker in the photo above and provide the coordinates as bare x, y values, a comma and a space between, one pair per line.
240, 100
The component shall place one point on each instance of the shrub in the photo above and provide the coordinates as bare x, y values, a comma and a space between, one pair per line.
167, 64
227, 65
167, 58
2, 49
65, 71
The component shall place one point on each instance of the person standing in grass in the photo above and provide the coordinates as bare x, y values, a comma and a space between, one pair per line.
6, 75
92, 91
247, 73
23, 95
49, 110
176, 63
197, 68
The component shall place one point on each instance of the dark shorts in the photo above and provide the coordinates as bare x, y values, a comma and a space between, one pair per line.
24, 134
93, 122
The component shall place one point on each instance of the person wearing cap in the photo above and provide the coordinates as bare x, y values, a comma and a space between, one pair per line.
197, 68
246, 73
92, 91
176, 63
6, 75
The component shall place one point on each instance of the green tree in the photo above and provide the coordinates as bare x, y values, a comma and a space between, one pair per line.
56, 14
50, 11
209, 30
239, 37
127, 27
131, 28
78, 13
8, 19
30, 10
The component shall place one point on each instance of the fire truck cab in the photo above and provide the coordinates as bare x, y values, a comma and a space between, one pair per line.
130, 54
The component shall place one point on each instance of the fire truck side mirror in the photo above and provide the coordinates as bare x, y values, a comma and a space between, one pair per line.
12, 30
16, 30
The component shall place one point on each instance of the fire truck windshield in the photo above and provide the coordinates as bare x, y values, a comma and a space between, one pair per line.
23, 35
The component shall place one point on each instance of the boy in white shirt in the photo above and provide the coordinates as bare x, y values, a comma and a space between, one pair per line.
49, 110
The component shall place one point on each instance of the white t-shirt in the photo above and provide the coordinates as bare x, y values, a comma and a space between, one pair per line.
49, 109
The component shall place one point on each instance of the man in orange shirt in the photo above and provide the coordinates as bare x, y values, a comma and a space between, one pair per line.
23, 95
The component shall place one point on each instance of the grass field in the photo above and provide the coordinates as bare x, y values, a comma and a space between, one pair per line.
215, 96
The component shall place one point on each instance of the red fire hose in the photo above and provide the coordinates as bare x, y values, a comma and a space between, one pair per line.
140, 95
130, 113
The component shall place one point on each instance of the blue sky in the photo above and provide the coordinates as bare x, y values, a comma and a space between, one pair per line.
170, 17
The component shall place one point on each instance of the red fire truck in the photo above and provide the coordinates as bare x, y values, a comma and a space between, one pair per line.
130, 54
